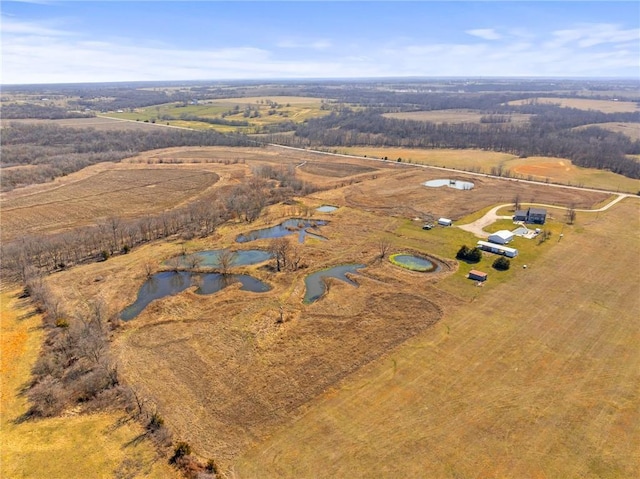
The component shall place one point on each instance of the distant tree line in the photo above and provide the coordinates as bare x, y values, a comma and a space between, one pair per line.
545, 135
18, 111
57, 151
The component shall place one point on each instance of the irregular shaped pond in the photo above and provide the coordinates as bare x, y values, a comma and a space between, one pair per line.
457, 184
315, 286
414, 263
288, 227
169, 283
211, 258
326, 209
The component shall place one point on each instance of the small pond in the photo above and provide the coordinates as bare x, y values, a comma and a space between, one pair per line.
326, 209
169, 283
457, 184
288, 227
315, 286
414, 263
211, 258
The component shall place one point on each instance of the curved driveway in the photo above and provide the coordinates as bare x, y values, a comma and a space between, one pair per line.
477, 227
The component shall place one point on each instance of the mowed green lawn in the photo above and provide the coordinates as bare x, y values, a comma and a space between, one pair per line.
536, 377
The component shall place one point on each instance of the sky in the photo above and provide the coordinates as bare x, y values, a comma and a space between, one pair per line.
49, 41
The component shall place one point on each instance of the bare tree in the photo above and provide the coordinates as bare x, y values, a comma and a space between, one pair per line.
279, 248
516, 202
383, 248
225, 261
571, 214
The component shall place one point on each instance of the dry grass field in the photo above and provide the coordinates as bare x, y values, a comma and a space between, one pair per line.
98, 123
101, 191
539, 378
555, 170
605, 106
226, 375
71, 447
407, 375
452, 116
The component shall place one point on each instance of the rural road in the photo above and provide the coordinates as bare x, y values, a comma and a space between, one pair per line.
477, 227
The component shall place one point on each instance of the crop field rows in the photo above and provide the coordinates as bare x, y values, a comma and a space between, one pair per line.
113, 192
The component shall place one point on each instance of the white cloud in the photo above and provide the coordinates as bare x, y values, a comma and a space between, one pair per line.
44, 53
10, 26
589, 35
485, 33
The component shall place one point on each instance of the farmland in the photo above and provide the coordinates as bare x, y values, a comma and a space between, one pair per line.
241, 115
393, 373
605, 106
99, 192
262, 374
554, 170
557, 399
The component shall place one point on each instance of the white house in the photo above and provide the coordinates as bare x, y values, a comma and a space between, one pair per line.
501, 237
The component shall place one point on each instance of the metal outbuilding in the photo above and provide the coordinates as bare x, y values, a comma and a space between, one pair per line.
445, 222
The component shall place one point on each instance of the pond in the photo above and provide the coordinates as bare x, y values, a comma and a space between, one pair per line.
169, 283
326, 209
414, 263
288, 227
315, 286
457, 184
211, 258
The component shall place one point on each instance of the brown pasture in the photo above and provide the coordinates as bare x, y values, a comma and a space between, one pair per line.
99, 192
605, 106
226, 375
535, 378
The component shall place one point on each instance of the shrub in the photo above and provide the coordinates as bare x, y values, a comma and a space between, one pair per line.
502, 264
463, 252
472, 255
182, 449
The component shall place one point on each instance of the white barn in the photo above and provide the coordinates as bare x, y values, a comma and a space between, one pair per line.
501, 237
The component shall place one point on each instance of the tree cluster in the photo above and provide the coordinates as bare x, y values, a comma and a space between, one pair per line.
502, 263
471, 255
57, 151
